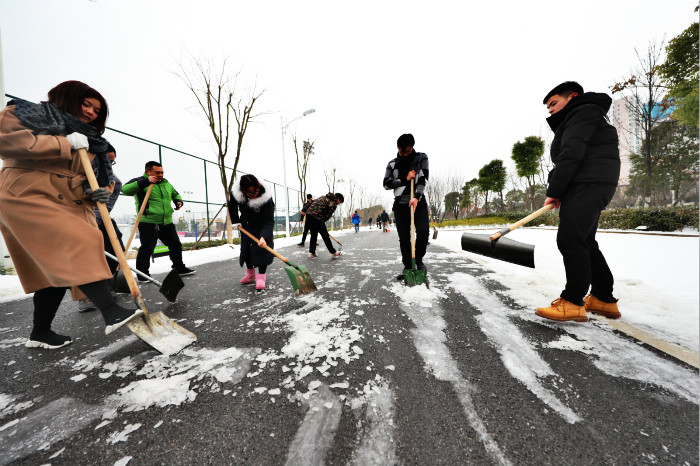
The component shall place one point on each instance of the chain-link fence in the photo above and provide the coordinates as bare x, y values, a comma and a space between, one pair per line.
199, 183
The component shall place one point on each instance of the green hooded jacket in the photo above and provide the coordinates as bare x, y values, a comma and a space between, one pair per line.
159, 208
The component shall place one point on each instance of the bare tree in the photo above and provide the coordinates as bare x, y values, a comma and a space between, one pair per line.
435, 191
303, 163
646, 100
329, 174
215, 90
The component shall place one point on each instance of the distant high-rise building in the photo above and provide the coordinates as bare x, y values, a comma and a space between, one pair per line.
629, 133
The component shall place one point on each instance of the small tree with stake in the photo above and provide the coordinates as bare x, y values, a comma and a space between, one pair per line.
527, 155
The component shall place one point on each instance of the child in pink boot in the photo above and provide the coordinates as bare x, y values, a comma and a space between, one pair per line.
254, 201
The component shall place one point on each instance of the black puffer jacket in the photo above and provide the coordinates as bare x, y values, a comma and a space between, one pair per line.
585, 145
322, 208
258, 219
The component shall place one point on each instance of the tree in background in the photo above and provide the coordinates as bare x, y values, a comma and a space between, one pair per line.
527, 155
680, 72
216, 92
434, 193
515, 200
466, 200
452, 203
647, 103
307, 148
495, 172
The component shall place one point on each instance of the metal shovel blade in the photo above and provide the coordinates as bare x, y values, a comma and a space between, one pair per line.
162, 333
172, 284
504, 249
300, 278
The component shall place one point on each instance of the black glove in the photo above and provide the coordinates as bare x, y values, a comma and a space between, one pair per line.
98, 195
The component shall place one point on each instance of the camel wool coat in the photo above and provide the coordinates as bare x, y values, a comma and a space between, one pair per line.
46, 219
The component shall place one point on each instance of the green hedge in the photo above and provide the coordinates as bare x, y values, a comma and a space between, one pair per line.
654, 218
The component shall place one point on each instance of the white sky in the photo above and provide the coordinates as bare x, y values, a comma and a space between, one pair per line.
467, 79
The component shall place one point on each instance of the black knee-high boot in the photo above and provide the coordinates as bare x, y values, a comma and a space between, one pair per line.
46, 302
114, 315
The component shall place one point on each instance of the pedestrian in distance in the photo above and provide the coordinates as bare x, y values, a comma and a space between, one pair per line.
157, 220
582, 182
409, 165
46, 204
84, 304
379, 221
257, 217
304, 208
369, 222
384, 221
320, 211
356, 221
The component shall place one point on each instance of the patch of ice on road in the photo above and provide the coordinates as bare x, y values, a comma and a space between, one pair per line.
78, 378
12, 342
168, 378
123, 436
9, 405
368, 274
518, 355
123, 462
58, 453
376, 442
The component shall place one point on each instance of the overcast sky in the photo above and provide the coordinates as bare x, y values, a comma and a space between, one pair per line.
466, 78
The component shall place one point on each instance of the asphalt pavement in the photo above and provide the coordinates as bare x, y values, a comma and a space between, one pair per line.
364, 371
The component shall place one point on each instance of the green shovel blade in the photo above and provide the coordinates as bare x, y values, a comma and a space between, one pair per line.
300, 278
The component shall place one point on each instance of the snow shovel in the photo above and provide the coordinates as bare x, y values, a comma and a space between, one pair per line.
171, 286
339, 243
413, 276
156, 329
298, 274
505, 249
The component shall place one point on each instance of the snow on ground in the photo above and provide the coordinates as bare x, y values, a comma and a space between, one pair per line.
656, 277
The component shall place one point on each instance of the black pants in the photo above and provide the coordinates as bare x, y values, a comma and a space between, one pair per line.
113, 265
149, 234
306, 230
578, 223
47, 300
402, 218
318, 226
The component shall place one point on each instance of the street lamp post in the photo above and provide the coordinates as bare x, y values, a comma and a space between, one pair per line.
284, 164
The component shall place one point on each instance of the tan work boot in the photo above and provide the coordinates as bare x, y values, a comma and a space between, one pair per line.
597, 306
563, 310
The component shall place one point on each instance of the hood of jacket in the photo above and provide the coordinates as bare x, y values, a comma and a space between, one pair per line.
595, 98
252, 203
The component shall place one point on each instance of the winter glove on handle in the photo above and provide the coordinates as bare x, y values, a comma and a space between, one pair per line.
98, 195
77, 141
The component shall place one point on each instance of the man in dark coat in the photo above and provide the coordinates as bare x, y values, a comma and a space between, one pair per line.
304, 208
319, 212
409, 165
583, 181
384, 219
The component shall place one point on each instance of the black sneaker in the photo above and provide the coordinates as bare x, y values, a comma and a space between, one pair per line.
184, 271
47, 339
400, 277
300, 244
115, 316
421, 266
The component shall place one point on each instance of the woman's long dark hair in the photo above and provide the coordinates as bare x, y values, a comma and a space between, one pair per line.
248, 181
69, 96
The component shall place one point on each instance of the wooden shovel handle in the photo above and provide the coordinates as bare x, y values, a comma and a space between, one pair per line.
87, 166
272, 251
521, 222
138, 218
413, 232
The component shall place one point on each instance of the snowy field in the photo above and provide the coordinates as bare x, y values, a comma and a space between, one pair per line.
656, 276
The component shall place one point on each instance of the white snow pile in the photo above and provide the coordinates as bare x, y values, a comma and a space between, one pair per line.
9, 405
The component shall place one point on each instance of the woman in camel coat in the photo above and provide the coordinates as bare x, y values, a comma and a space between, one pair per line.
47, 209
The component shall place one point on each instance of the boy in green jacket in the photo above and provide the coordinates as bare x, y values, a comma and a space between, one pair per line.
157, 219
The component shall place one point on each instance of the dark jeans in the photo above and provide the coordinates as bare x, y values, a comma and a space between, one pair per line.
113, 265
578, 223
402, 219
150, 233
47, 300
318, 226
306, 230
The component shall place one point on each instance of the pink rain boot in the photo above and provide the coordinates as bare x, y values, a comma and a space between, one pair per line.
249, 277
260, 281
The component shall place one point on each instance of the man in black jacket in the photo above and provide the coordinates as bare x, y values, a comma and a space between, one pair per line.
583, 181
318, 213
409, 165
304, 208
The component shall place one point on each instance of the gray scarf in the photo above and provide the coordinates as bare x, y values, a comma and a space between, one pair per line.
47, 118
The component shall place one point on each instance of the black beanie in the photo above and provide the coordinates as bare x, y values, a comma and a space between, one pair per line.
339, 197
